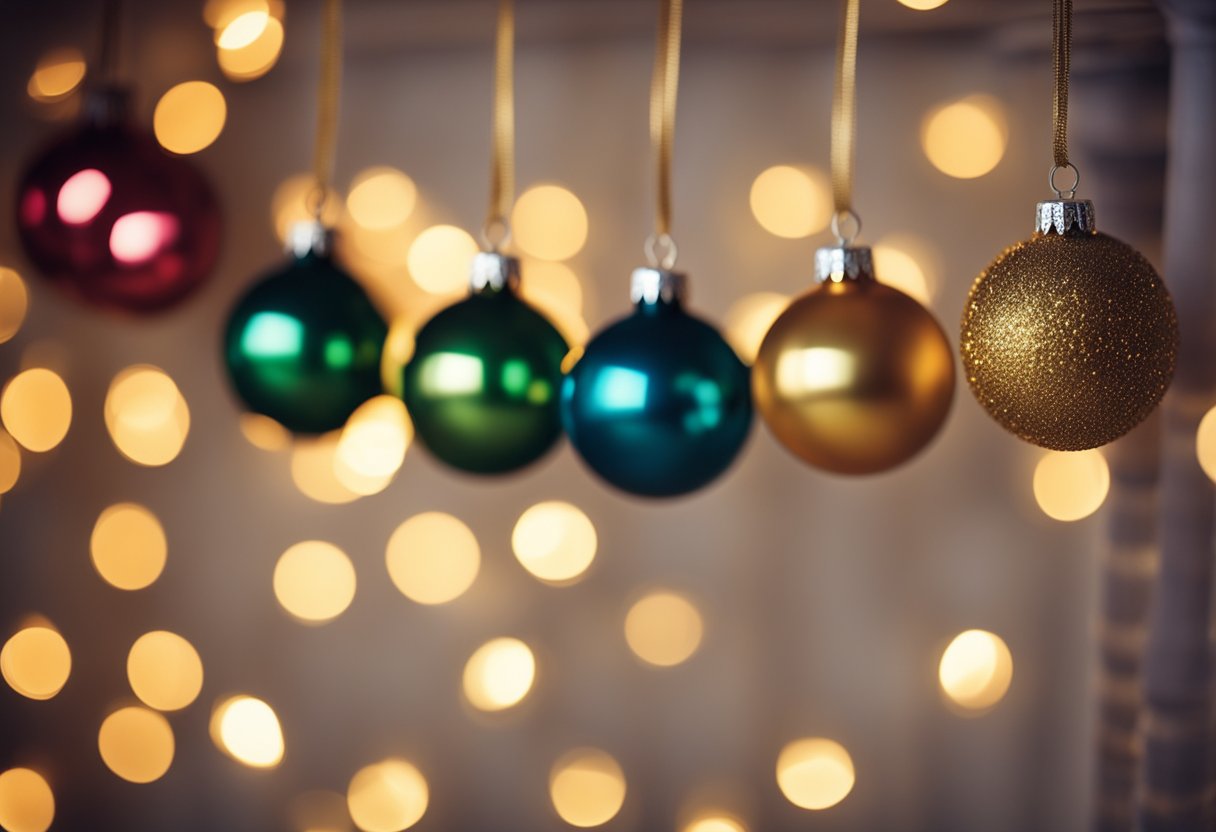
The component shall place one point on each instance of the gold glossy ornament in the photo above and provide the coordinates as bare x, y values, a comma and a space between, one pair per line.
855, 377
1069, 338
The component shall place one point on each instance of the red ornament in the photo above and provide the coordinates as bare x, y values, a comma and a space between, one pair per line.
112, 218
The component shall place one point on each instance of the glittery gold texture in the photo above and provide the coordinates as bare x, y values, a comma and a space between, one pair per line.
1069, 341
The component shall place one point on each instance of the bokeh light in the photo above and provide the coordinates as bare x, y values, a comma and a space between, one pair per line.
146, 415
792, 201
319, 811
439, 259
219, 13
664, 628
290, 205
164, 670
14, 303
381, 198
58, 74
1070, 485
902, 261
555, 541
433, 558
748, 321
1205, 444
965, 138
555, 290
388, 796
499, 674
549, 223
26, 801
36, 409
10, 463
587, 787
136, 744
36, 662
243, 29
372, 445
264, 433
923, 5
128, 546
248, 730
976, 670
189, 117
314, 581
398, 349
314, 469
715, 822
815, 773
257, 58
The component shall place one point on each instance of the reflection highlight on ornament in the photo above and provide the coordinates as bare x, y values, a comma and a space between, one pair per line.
164, 670
1071, 485
792, 201
140, 236
587, 787
451, 373
36, 662
433, 558
381, 198
815, 370
555, 542
57, 75
248, 730
82, 196
438, 259
499, 674
128, 546
815, 773
14, 303
976, 670
664, 628
314, 581
146, 415
389, 796
27, 803
36, 409
549, 223
136, 744
189, 117
966, 138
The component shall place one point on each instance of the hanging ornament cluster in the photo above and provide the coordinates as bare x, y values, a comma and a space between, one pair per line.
659, 404
107, 215
303, 345
482, 384
855, 377
1068, 338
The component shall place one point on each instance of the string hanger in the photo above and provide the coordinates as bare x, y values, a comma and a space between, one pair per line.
327, 105
497, 229
660, 248
1061, 59
846, 224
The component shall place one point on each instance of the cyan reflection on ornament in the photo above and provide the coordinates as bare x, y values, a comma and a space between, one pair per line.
619, 390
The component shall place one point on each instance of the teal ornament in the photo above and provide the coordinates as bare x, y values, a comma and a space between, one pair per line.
659, 404
303, 345
483, 384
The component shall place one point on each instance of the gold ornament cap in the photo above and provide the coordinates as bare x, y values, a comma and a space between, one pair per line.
493, 272
837, 263
649, 285
1065, 216
309, 237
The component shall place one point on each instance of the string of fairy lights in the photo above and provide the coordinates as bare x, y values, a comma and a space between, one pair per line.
433, 558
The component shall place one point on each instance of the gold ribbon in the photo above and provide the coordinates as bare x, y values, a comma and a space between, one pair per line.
1061, 47
327, 101
844, 109
663, 86
502, 150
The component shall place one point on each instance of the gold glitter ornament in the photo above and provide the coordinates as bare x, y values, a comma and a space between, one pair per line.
1069, 338
855, 377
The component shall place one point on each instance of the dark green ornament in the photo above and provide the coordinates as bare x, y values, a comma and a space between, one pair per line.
483, 384
303, 345
659, 404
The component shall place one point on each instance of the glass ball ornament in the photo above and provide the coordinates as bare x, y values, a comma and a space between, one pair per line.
107, 215
659, 404
483, 382
303, 345
1069, 338
855, 377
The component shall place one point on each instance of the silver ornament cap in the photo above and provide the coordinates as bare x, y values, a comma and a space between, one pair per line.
1065, 216
308, 237
493, 272
837, 263
650, 286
